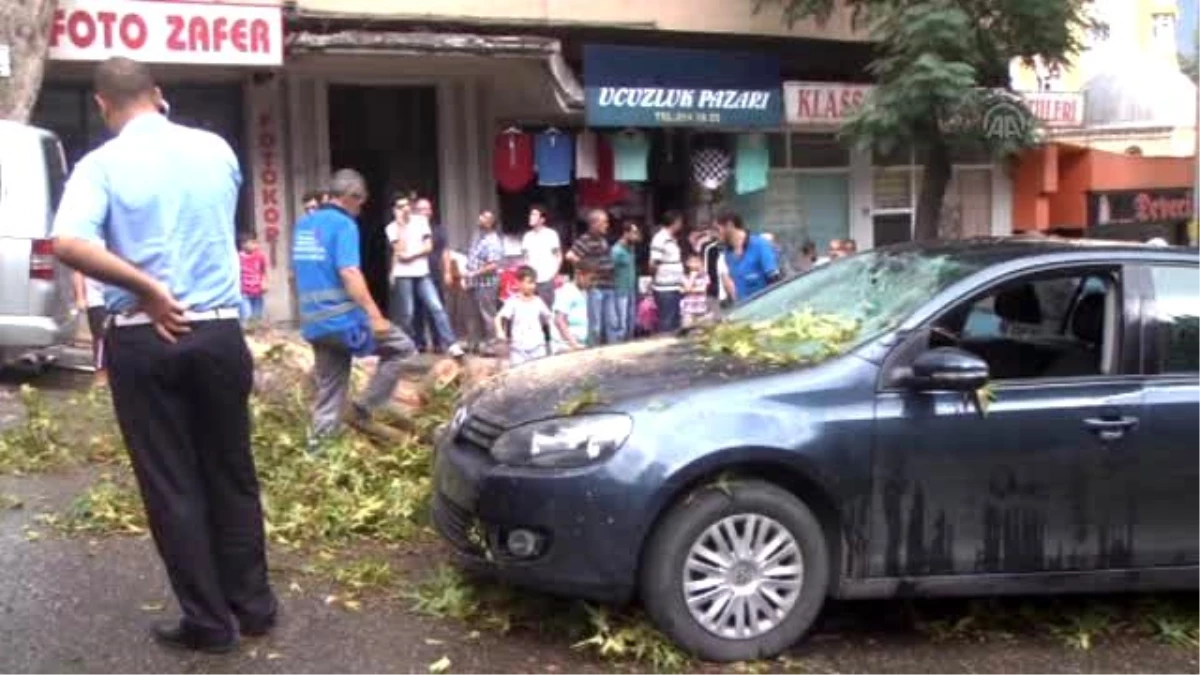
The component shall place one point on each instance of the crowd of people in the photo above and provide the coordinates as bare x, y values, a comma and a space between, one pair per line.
550, 299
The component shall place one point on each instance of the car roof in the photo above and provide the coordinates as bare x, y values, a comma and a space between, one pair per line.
988, 251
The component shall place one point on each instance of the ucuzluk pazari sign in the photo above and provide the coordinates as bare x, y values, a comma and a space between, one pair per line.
656, 87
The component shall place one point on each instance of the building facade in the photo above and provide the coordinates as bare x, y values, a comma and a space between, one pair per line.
1129, 170
441, 98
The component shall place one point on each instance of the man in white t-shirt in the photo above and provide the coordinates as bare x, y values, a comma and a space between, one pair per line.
411, 240
666, 262
543, 252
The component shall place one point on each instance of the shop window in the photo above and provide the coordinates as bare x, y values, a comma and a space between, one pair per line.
818, 151
802, 207
891, 228
777, 149
1177, 313
894, 188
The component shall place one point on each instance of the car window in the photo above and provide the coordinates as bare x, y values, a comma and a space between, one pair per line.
1177, 313
1059, 326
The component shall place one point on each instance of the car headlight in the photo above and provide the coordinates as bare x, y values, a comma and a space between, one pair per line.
563, 442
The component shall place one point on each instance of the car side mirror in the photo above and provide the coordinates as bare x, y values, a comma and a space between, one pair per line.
948, 369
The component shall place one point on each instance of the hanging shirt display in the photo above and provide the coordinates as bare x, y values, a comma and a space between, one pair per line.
752, 163
604, 190
710, 167
554, 153
631, 153
585, 156
512, 161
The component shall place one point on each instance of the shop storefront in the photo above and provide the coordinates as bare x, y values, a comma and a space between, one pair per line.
1072, 191
689, 130
209, 58
1141, 215
880, 190
415, 111
820, 189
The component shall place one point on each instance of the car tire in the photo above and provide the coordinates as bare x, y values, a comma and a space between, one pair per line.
691, 523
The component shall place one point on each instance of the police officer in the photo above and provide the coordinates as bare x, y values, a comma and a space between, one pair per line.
161, 197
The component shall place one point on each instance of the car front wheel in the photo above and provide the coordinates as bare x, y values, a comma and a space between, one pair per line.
736, 572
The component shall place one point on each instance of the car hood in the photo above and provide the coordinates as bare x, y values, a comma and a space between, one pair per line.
609, 376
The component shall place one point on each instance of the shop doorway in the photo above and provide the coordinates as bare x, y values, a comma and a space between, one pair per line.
389, 134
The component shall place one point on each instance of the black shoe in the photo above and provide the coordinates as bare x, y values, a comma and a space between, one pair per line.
256, 628
178, 636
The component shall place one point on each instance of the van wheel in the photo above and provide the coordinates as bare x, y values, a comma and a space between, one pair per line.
736, 573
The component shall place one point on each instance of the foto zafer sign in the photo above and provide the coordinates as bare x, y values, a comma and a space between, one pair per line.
167, 32
655, 87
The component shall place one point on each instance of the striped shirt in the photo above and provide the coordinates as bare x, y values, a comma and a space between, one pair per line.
594, 257
665, 253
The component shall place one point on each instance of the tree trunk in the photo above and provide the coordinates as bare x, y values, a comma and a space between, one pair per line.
25, 30
935, 178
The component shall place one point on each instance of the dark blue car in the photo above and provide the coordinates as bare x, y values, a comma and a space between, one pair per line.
732, 496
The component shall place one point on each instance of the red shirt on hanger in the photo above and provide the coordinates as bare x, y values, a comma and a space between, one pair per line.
512, 160
604, 190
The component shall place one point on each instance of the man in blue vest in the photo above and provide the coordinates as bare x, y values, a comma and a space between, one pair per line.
338, 316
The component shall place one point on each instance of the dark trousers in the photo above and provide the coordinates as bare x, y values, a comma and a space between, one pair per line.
669, 318
545, 291
184, 413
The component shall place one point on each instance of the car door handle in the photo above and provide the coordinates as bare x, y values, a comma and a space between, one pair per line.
1110, 428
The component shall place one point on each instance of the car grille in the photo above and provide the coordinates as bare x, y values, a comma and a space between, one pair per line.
458, 526
479, 433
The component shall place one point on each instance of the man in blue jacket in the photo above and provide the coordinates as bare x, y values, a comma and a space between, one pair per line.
338, 316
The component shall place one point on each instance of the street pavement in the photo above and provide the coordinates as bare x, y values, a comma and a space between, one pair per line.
80, 605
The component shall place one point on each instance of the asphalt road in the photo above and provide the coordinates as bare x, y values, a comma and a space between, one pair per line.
78, 605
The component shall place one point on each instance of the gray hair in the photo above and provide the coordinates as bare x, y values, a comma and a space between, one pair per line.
347, 183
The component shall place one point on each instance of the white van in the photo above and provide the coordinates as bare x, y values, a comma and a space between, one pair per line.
37, 309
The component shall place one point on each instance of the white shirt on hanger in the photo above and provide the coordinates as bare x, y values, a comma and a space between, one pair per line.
585, 156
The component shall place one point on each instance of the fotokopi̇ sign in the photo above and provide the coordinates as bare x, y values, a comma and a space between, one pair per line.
655, 87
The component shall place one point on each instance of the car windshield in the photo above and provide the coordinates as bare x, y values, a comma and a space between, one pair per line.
876, 290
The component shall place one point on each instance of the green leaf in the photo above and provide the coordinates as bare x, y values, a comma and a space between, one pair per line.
440, 666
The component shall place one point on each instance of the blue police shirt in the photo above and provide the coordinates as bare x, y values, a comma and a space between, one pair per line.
752, 270
163, 197
326, 241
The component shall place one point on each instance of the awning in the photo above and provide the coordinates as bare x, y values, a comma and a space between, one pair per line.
656, 87
493, 55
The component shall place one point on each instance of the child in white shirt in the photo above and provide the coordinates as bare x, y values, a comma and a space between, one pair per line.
529, 320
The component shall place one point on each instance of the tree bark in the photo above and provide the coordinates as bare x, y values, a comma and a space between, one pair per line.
935, 178
25, 29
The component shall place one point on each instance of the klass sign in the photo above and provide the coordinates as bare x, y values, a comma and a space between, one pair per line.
167, 32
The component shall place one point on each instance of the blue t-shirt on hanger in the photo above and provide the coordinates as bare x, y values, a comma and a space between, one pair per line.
554, 156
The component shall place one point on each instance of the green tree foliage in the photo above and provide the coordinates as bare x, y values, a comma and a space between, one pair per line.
940, 68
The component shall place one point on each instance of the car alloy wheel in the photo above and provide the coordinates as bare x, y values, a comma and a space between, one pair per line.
736, 572
742, 576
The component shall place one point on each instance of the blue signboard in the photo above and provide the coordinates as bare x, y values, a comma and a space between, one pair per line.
659, 87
